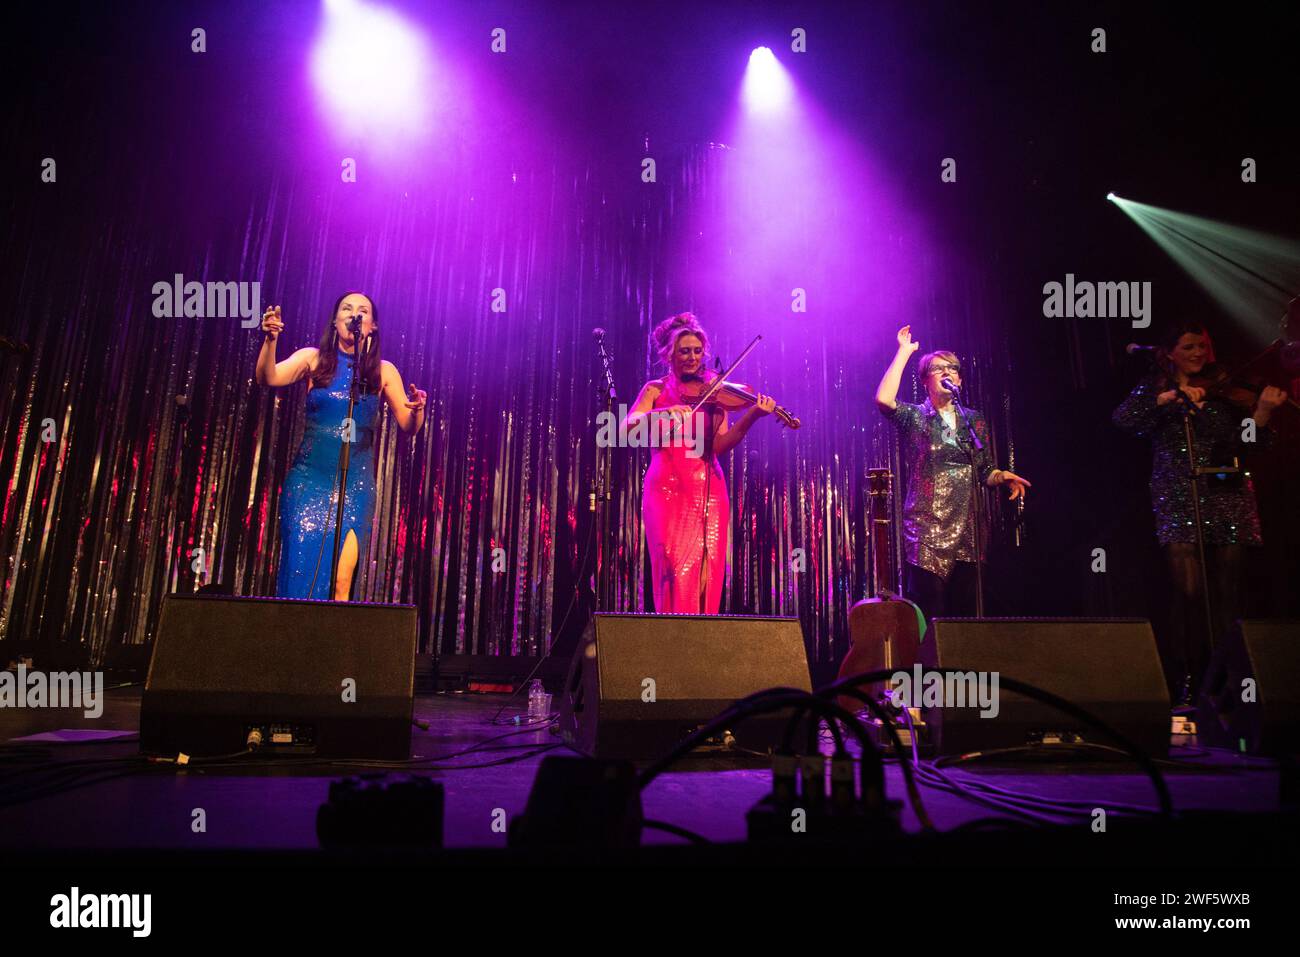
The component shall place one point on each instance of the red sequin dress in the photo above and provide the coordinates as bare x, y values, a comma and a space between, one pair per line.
687, 517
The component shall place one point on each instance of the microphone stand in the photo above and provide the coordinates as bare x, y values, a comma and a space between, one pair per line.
345, 456
1187, 408
602, 490
975, 447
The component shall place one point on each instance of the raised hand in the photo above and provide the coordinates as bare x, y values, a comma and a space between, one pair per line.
905, 342
272, 323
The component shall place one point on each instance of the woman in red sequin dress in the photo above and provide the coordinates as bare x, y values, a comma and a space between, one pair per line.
684, 501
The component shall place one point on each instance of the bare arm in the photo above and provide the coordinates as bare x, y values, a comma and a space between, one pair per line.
291, 370
887, 391
272, 373
645, 401
729, 436
408, 408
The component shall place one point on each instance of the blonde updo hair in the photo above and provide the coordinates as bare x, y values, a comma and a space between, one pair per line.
667, 333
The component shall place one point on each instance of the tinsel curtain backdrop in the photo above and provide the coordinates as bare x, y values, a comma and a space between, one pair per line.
164, 450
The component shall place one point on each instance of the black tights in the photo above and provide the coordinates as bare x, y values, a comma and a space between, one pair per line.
937, 597
1184, 644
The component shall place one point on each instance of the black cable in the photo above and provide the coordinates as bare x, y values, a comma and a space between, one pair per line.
997, 804
77, 763
1065, 805
1007, 800
909, 778
1060, 704
480, 745
762, 703
794, 718
416, 763
814, 721
451, 767
55, 786
691, 836
981, 823
52, 788
68, 775
1088, 746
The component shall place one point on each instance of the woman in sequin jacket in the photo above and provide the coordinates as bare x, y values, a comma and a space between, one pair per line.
938, 539
1229, 517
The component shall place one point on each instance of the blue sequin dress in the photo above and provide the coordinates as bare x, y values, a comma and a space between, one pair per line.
308, 503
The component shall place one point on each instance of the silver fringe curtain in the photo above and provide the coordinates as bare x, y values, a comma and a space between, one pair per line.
106, 517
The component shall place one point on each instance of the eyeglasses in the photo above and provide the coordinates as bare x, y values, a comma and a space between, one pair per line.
943, 367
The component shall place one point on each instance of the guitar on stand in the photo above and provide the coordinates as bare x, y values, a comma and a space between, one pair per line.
884, 630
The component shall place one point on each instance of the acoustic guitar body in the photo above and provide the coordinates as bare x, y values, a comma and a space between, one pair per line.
883, 634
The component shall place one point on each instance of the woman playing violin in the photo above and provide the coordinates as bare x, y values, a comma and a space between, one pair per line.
684, 501
1187, 373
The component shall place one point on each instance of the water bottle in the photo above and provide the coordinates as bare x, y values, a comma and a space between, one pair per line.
537, 703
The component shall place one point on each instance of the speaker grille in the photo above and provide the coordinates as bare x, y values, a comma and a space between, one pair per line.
340, 676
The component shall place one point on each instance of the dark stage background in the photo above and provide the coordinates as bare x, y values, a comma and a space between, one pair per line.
217, 166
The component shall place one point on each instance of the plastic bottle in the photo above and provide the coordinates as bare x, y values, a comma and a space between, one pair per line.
537, 703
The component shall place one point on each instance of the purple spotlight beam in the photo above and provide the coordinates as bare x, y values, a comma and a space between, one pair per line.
767, 86
370, 68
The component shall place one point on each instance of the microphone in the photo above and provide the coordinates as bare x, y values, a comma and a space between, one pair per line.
950, 385
1134, 349
598, 332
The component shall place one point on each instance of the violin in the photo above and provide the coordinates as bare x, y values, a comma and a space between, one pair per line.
1235, 390
731, 396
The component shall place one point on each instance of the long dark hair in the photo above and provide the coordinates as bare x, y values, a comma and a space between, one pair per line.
328, 361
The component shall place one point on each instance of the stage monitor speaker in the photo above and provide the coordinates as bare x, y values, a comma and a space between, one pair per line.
638, 684
1250, 698
334, 679
1108, 666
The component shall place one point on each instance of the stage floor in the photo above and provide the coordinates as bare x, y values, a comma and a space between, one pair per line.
250, 805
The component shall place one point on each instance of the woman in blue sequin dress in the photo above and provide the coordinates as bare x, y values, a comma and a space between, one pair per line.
308, 501
1229, 517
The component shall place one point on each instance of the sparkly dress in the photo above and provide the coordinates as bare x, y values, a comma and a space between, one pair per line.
687, 517
937, 529
307, 502
1228, 512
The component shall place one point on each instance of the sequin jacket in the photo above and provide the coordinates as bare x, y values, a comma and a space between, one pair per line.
936, 512
1228, 510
